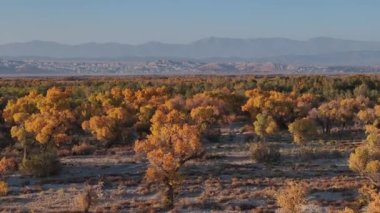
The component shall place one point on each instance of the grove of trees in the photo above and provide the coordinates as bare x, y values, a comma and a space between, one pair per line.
167, 120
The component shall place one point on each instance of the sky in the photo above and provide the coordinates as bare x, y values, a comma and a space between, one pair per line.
184, 21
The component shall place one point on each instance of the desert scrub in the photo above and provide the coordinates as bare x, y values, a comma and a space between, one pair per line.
292, 197
369, 196
264, 152
83, 149
302, 130
7, 165
313, 152
374, 205
41, 165
84, 200
3, 188
346, 210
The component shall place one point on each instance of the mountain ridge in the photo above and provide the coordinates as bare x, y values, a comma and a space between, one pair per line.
270, 49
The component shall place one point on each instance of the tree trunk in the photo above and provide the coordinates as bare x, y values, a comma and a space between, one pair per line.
25, 153
169, 196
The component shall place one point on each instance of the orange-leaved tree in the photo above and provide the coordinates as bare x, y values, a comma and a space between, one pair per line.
112, 119
170, 145
55, 118
16, 113
365, 159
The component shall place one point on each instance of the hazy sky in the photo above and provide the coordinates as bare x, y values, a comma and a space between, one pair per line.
182, 21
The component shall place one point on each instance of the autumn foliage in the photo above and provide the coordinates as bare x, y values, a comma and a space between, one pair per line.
168, 120
171, 144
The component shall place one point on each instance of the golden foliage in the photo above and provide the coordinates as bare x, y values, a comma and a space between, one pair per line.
358, 159
204, 116
172, 143
3, 188
84, 200
292, 197
114, 119
7, 165
265, 125
279, 105
168, 148
302, 129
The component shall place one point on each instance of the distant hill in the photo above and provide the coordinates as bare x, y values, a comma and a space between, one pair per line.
320, 50
349, 58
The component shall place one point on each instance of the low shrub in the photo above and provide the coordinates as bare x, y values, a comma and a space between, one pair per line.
41, 165
346, 210
84, 200
83, 149
370, 197
264, 152
7, 165
3, 188
359, 159
312, 153
374, 204
292, 197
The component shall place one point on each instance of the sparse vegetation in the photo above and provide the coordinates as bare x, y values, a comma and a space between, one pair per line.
302, 130
83, 149
3, 188
292, 197
7, 165
264, 152
84, 200
142, 137
41, 165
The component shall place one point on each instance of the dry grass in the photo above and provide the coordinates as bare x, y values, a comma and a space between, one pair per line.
227, 180
83, 149
3, 188
84, 200
312, 152
264, 152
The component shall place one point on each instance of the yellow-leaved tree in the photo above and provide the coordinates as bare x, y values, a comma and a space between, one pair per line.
264, 126
114, 117
204, 117
170, 145
54, 120
302, 130
16, 113
365, 159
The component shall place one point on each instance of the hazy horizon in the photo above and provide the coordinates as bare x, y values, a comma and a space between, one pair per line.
184, 43
181, 22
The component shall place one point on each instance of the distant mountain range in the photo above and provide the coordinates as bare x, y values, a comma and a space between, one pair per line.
321, 50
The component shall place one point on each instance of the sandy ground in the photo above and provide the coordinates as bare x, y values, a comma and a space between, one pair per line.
226, 179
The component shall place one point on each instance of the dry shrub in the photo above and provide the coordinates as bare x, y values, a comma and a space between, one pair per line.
7, 165
41, 165
312, 153
370, 196
3, 188
263, 152
83, 149
291, 197
84, 200
374, 205
359, 159
64, 152
345, 210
